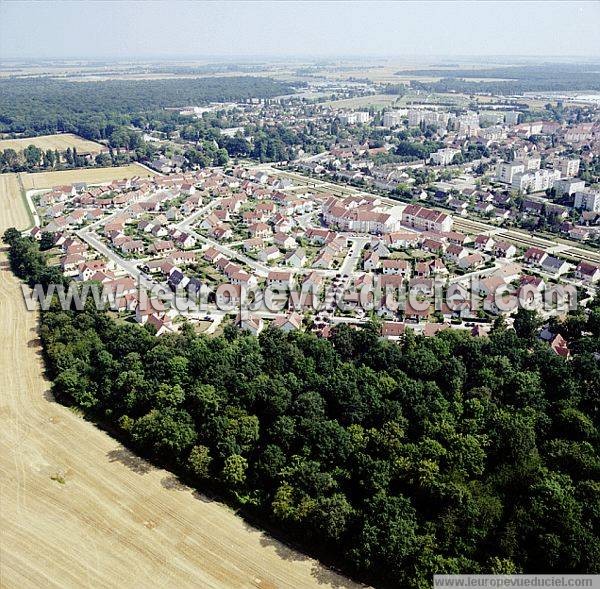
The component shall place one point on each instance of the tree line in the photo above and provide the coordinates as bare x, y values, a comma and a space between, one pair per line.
37, 106
451, 454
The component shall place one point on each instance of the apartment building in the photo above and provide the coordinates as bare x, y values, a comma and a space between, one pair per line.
491, 117
569, 168
535, 181
506, 171
443, 157
351, 118
393, 118
426, 219
588, 200
568, 186
511, 117
427, 117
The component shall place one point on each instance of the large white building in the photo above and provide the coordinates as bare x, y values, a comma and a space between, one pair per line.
466, 125
351, 118
535, 181
569, 168
443, 157
568, 186
511, 117
393, 118
588, 200
427, 117
532, 162
506, 171
494, 133
491, 117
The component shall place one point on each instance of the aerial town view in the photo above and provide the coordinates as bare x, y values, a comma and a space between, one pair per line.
299, 294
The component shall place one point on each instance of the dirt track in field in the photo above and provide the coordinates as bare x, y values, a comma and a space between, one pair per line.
78, 510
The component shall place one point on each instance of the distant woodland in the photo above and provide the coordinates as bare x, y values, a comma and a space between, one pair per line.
36, 106
511, 79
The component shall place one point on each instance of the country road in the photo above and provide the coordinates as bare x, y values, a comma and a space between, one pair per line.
78, 510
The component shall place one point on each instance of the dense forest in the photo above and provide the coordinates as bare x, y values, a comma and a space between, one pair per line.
511, 79
36, 106
451, 454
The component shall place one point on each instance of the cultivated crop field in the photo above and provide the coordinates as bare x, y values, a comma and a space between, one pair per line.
376, 100
38, 180
12, 209
60, 141
79, 510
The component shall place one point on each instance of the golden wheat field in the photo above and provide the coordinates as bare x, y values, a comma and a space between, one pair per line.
39, 180
60, 141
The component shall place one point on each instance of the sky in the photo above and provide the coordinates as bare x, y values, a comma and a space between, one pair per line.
129, 30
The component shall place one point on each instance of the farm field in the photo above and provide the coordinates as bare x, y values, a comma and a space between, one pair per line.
12, 208
79, 510
375, 100
38, 180
60, 141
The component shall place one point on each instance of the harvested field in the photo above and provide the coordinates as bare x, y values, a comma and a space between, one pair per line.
61, 141
12, 208
375, 100
38, 180
78, 510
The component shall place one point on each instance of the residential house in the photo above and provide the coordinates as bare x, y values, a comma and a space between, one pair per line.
297, 258
323, 261
398, 267
162, 246
535, 256
554, 266
370, 260
483, 243
432, 329
587, 272
269, 254
89, 268
222, 232
280, 279
471, 262
393, 330
455, 253
291, 322
438, 267
422, 269
261, 230
432, 245
417, 311
212, 255
284, 241
185, 241
228, 296
132, 246
504, 249
249, 322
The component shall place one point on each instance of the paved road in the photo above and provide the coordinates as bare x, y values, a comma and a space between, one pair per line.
354, 253
128, 266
